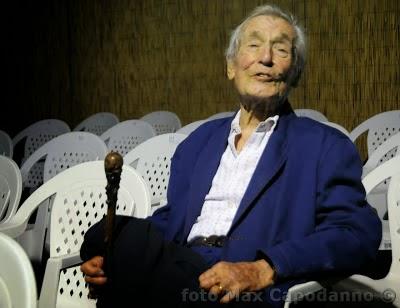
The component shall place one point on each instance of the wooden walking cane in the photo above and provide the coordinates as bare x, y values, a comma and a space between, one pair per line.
113, 169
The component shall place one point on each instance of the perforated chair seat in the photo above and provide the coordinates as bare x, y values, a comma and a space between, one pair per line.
79, 202
97, 123
125, 136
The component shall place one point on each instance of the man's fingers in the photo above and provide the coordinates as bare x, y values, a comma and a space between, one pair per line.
208, 283
230, 295
207, 274
93, 267
96, 280
217, 289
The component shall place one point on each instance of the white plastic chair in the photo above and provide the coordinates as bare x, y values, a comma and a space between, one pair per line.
390, 168
378, 196
163, 121
220, 115
126, 135
98, 123
379, 128
39, 133
152, 159
10, 188
312, 114
6, 145
17, 280
60, 153
337, 126
189, 128
79, 202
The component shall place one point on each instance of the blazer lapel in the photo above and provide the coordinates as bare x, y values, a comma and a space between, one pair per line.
271, 161
204, 171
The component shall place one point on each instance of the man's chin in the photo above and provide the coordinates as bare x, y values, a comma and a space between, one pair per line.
269, 104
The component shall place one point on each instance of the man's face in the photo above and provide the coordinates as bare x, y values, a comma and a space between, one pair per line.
264, 58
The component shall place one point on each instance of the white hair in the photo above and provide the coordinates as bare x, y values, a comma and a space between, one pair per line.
299, 49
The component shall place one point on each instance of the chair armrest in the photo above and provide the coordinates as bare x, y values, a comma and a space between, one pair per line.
299, 291
48, 294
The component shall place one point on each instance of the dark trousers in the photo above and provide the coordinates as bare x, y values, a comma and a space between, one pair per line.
145, 268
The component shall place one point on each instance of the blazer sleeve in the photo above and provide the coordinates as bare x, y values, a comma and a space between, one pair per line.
347, 230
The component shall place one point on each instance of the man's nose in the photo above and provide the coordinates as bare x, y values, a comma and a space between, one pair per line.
266, 56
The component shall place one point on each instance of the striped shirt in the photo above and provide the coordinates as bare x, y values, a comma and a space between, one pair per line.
231, 179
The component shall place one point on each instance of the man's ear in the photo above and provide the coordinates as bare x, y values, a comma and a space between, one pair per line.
230, 69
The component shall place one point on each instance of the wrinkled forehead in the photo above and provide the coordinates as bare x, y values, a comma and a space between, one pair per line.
267, 27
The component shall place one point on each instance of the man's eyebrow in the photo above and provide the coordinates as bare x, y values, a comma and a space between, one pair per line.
282, 37
255, 35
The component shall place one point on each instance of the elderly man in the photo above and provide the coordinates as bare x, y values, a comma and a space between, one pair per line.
260, 199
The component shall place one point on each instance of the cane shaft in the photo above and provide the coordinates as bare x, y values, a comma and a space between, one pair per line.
113, 169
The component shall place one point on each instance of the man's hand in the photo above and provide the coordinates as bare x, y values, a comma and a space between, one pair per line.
93, 271
231, 279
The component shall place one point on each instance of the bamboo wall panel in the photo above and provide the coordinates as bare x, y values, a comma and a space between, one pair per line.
134, 57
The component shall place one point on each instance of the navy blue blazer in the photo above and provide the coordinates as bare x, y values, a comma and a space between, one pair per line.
304, 207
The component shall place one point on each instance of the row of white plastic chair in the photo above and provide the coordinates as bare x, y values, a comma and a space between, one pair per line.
379, 127
79, 203
42, 131
153, 158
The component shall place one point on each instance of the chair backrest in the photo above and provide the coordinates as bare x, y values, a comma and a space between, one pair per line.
10, 188
61, 153
189, 128
379, 127
384, 171
98, 123
79, 203
163, 122
220, 115
17, 279
6, 145
39, 133
152, 159
387, 150
337, 126
126, 135
311, 113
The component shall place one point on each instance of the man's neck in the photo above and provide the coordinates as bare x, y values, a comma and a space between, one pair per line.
255, 110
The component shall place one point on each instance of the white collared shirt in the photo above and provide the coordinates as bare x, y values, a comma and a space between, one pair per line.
231, 179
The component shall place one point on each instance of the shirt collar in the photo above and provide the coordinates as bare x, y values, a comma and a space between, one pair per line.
265, 126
